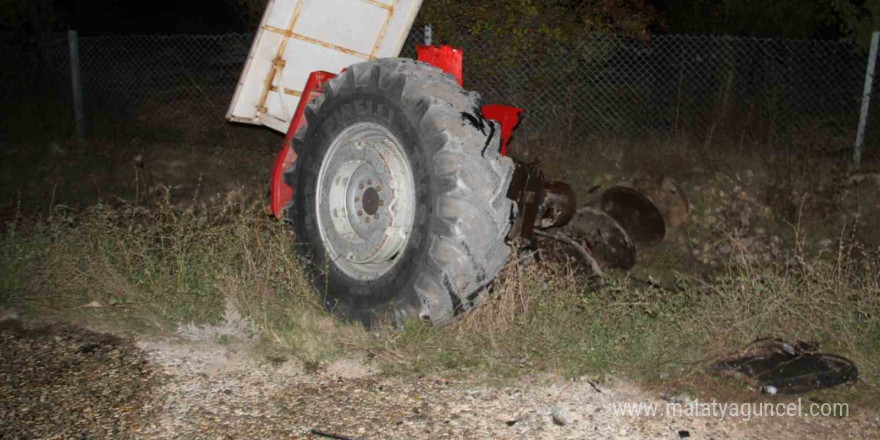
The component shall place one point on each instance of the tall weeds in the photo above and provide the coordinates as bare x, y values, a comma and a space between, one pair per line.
161, 267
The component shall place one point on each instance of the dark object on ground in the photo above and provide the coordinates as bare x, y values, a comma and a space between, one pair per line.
684, 434
636, 213
777, 367
667, 196
329, 435
579, 248
558, 205
604, 238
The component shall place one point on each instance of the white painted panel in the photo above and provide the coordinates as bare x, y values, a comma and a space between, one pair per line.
282, 13
325, 35
245, 103
296, 73
355, 25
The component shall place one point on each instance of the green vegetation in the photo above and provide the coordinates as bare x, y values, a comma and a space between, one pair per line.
152, 268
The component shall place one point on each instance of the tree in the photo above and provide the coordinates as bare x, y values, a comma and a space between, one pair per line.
758, 18
858, 19
29, 22
519, 30
514, 21
249, 12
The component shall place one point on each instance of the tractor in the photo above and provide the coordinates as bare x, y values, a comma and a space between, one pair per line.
395, 179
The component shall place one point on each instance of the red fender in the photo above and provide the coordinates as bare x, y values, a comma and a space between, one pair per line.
509, 118
279, 193
447, 58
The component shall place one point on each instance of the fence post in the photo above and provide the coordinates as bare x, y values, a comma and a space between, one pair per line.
866, 101
76, 85
429, 35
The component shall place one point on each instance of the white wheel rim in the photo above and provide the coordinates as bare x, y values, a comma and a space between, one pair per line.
365, 201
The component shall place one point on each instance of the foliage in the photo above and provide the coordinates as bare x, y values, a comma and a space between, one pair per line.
858, 19
160, 266
249, 12
28, 20
523, 25
518, 31
781, 18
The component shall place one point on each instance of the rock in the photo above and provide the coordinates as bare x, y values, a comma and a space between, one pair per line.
560, 416
682, 397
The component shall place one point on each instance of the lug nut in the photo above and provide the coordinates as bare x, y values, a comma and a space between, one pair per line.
370, 182
367, 219
361, 185
360, 213
381, 202
357, 199
379, 188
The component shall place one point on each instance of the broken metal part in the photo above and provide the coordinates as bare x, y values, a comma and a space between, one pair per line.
329, 435
606, 240
777, 367
557, 205
667, 196
581, 250
638, 216
526, 189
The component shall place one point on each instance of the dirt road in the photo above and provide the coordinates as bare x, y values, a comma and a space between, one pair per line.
65, 382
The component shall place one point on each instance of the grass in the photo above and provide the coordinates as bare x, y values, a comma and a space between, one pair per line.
156, 268
223, 271
226, 265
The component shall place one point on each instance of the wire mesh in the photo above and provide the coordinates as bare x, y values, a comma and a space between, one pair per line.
708, 88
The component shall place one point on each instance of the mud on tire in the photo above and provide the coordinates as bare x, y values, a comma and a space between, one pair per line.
407, 116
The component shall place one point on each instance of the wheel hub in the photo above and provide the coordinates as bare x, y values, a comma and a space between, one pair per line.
365, 200
371, 201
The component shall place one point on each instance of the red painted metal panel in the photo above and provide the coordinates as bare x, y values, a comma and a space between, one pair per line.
448, 58
507, 116
280, 193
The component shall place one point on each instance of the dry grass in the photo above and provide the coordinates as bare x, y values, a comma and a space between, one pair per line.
224, 267
164, 269
545, 317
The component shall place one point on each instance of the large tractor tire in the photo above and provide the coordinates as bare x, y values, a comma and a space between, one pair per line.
400, 201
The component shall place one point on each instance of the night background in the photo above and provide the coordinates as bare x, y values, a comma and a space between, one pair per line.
786, 18
723, 159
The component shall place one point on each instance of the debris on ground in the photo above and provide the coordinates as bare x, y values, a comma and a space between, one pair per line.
778, 367
68, 382
560, 416
61, 381
609, 232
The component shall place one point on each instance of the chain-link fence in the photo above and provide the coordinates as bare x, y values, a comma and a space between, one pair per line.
705, 88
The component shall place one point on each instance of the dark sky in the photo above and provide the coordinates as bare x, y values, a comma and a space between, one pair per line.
101, 17
780, 18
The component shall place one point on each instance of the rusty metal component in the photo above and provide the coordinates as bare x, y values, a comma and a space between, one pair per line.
635, 212
581, 250
667, 195
526, 189
557, 205
605, 239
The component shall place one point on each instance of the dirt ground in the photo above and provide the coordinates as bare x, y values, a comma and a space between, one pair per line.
62, 381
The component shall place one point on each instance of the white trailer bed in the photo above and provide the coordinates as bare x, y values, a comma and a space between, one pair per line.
297, 37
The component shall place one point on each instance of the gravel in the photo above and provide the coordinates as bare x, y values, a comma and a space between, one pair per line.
67, 382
